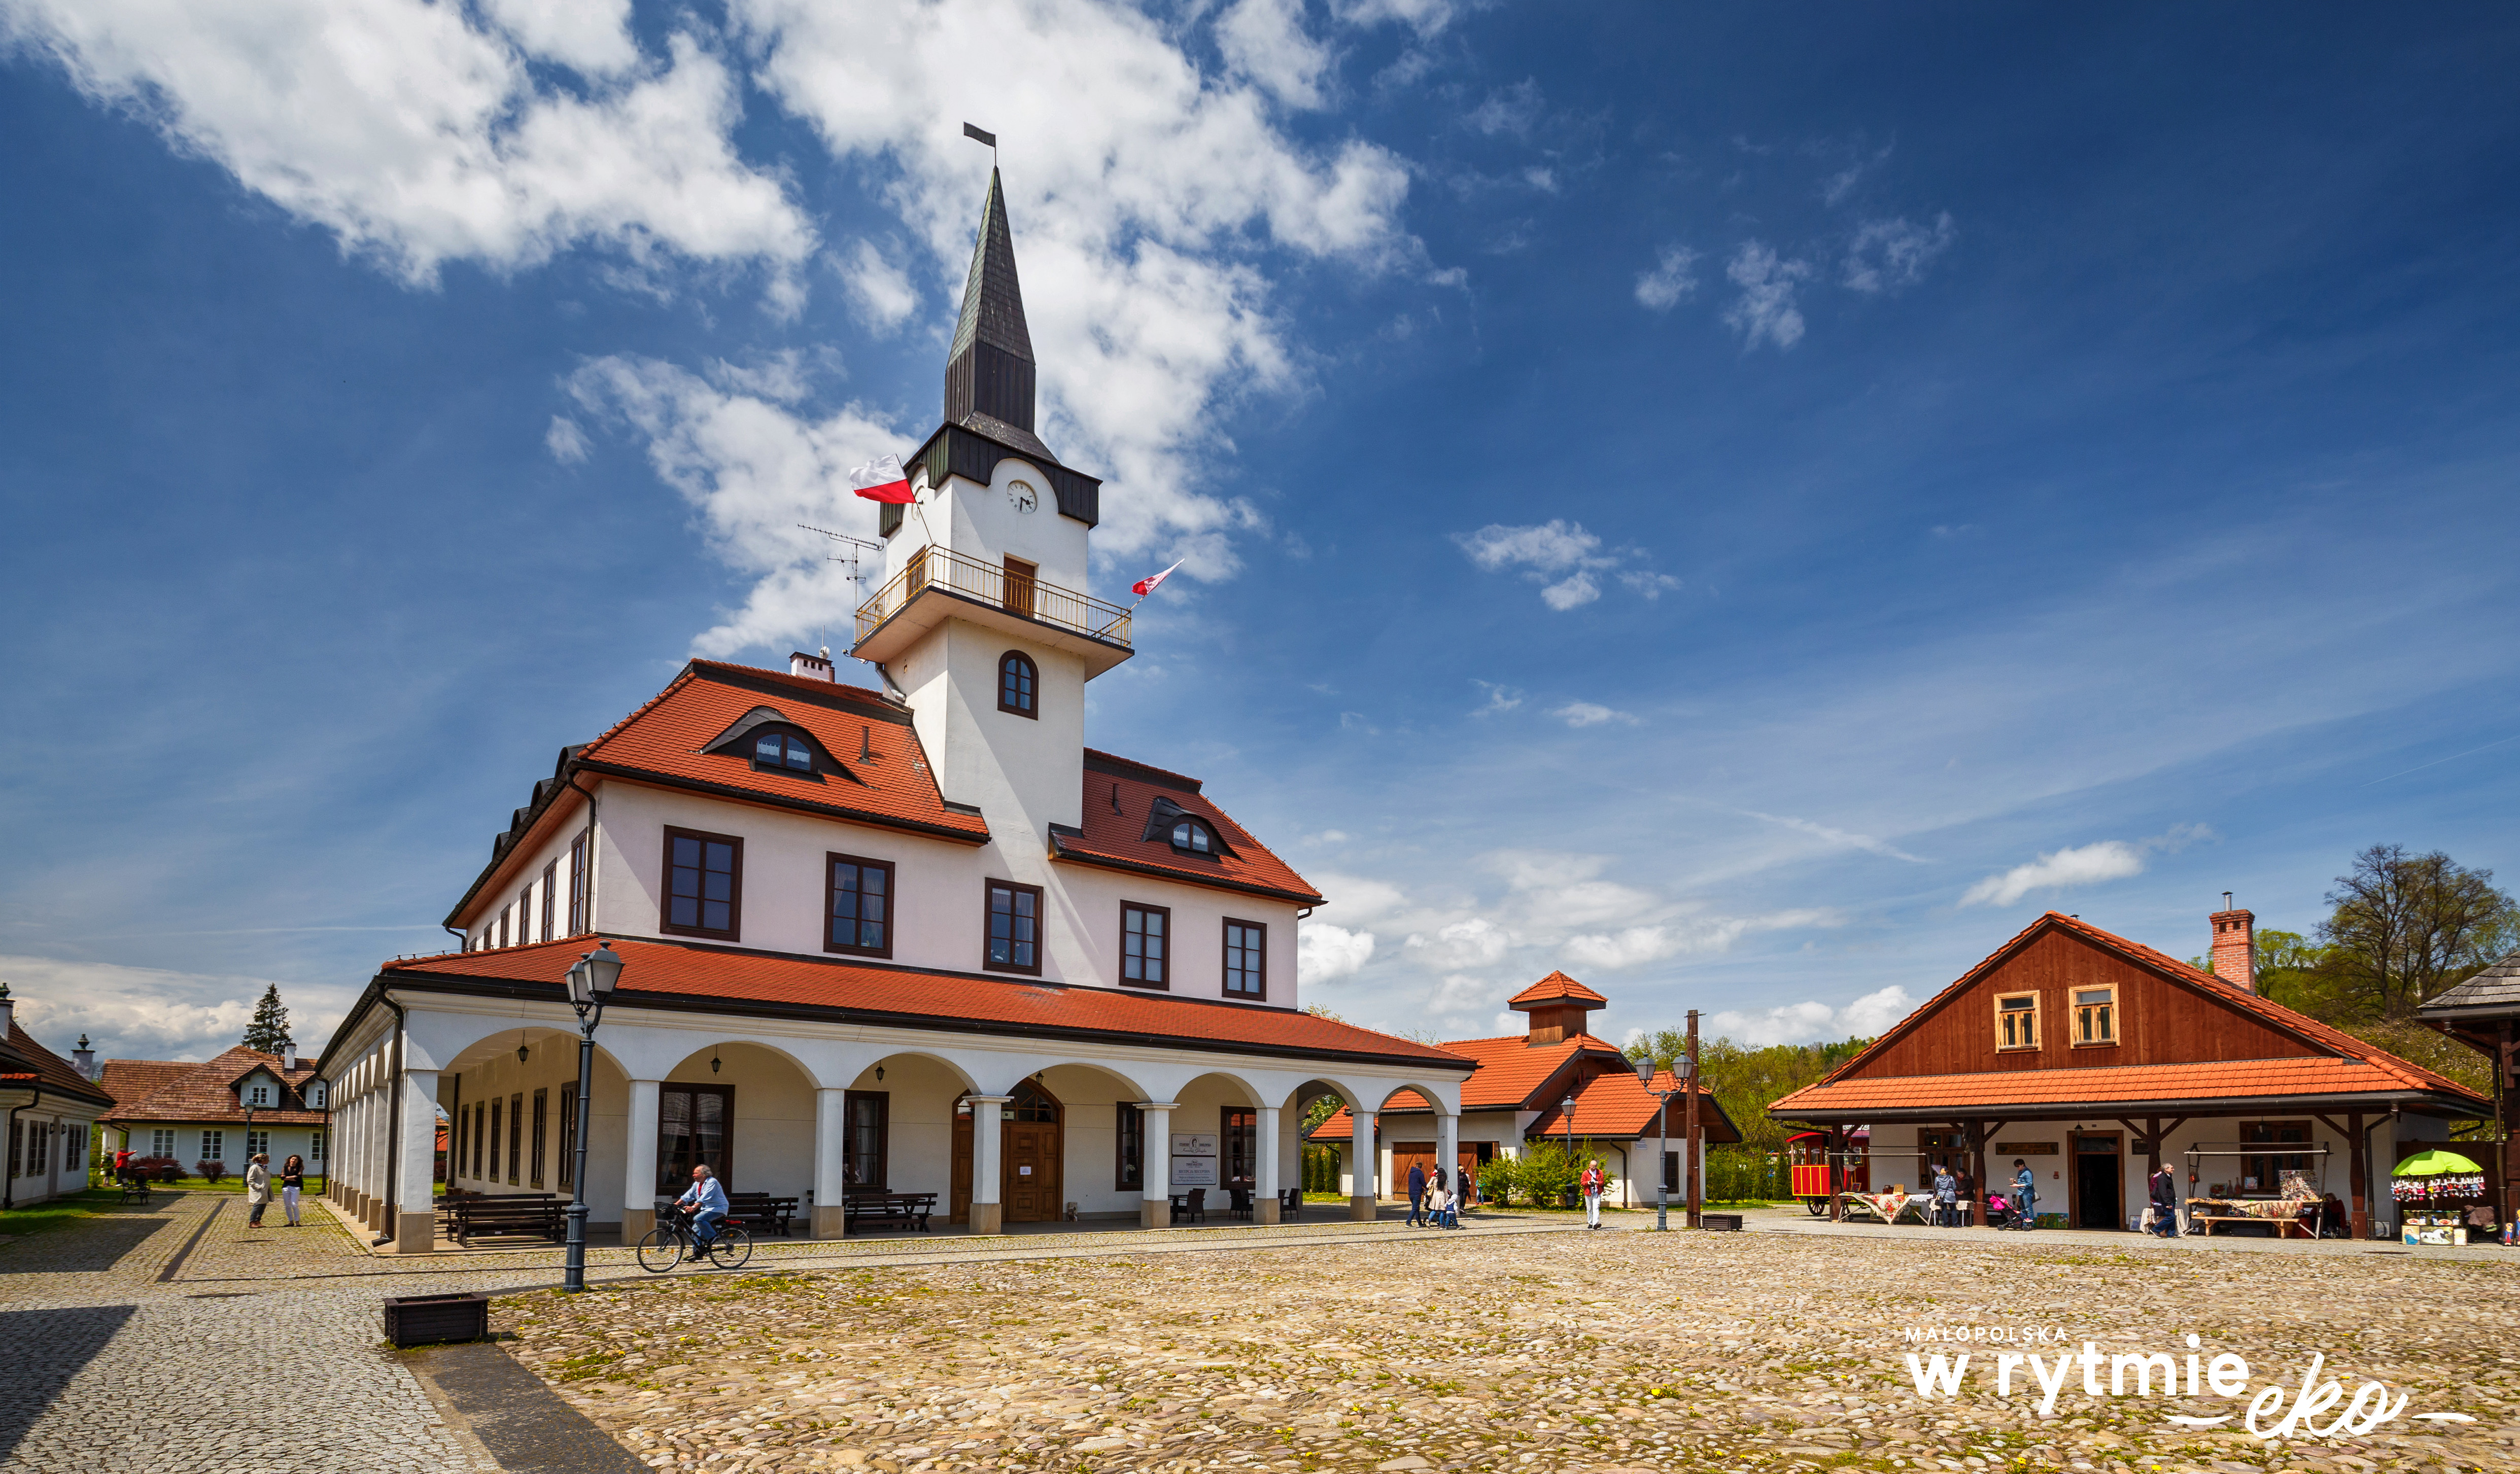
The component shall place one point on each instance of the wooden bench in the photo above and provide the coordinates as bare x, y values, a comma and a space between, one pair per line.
2286, 1228
135, 1188
901, 1210
757, 1210
540, 1215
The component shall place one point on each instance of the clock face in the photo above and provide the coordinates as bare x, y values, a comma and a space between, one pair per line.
1020, 495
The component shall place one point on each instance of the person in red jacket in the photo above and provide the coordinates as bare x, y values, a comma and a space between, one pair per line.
1591, 1182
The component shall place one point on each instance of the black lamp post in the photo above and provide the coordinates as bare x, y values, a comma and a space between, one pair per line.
1680, 1071
590, 987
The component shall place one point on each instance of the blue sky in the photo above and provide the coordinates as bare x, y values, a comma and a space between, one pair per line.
1749, 507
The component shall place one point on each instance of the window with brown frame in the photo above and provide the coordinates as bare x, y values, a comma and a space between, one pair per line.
2095, 1015
1019, 580
2265, 1174
542, 1125
463, 1142
1018, 685
695, 1127
865, 1138
2017, 1021
516, 1137
497, 1115
525, 914
569, 1135
1129, 1171
1014, 929
577, 885
857, 905
703, 886
1246, 958
502, 932
551, 900
1146, 944
1238, 1143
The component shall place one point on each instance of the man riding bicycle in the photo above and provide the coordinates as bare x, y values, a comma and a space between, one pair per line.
707, 1201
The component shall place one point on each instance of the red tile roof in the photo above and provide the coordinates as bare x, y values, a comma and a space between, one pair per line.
1118, 796
205, 1092
1615, 1105
2105, 1086
1512, 1069
2376, 1068
138, 1079
1556, 987
655, 972
23, 1061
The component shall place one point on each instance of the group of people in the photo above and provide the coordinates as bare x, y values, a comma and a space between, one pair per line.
1952, 1186
1434, 1202
258, 1183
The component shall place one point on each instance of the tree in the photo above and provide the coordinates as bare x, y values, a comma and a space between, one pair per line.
1743, 1079
269, 1031
2407, 927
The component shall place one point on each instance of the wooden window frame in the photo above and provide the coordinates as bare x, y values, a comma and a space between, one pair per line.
1032, 675
891, 922
1018, 583
525, 914
665, 892
2038, 1030
1163, 980
723, 1167
463, 1142
881, 1178
577, 885
988, 914
569, 1133
496, 1113
551, 899
215, 1146
787, 732
1224, 971
517, 1140
1230, 1132
1128, 1173
502, 932
2113, 1019
542, 1135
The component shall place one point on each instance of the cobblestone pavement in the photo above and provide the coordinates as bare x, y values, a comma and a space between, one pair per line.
1565, 1352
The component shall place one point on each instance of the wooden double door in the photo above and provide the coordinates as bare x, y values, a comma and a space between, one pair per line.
1031, 1150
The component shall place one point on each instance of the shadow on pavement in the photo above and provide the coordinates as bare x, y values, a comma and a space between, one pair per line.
91, 1246
47, 1348
524, 1423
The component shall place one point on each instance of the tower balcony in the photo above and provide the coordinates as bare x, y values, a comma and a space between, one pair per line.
939, 584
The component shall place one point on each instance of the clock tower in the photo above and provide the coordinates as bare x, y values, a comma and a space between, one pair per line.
984, 623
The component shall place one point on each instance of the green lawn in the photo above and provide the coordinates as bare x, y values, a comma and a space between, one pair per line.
39, 1217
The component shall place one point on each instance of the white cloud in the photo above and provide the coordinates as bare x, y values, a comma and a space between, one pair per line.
1473, 942
880, 291
1837, 836
1646, 582
1765, 309
1356, 902
1813, 1023
1563, 557
1888, 255
1576, 588
1426, 17
2085, 865
1589, 714
151, 1013
1508, 109
1323, 952
419, 134
1671, 281
565, 441
1622, 949
1499, 698
1265, 41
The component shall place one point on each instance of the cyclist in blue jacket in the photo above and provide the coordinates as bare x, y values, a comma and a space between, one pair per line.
707, 1201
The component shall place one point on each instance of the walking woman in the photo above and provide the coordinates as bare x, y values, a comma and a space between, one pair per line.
257, 1187
293, 1179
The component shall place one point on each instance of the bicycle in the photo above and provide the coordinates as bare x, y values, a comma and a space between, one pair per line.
671, 1243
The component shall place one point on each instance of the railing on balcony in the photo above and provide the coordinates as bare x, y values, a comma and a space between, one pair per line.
991, 584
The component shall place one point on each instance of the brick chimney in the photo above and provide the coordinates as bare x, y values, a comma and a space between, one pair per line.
2235, 946
811, 667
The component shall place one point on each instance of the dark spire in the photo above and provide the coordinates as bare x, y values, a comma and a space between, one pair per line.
990, 375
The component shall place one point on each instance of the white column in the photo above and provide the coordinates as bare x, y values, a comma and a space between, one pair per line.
1448, 1155
830, 1163
988, 1147
1361, 1165
1264, 1164
638, 1182
1156, 1192
413, 1215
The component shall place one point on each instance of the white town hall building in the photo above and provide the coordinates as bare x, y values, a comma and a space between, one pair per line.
922, 940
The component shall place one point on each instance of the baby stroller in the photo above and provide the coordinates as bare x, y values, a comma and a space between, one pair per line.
1998, 1211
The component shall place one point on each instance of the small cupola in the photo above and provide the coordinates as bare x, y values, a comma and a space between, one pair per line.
1559, 1007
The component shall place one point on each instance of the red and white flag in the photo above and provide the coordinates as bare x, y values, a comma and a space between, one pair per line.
1146, 586
882, 481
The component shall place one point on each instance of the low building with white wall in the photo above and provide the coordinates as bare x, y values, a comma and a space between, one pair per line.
51, 1109
217, 1113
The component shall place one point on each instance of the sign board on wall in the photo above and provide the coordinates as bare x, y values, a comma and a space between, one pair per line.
1188, 1144
2025, 1148
1194, 1159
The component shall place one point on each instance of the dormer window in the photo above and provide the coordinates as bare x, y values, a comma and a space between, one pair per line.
315, 1094
260, 1095
782, 751
1192, 837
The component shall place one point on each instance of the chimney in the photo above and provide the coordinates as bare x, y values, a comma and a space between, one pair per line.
812, 667
2235, 946
8, 1013
83, 1059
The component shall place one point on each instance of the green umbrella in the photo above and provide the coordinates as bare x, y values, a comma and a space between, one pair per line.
2429, 1164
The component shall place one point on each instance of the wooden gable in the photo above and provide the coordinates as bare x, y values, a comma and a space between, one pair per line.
2158, 1018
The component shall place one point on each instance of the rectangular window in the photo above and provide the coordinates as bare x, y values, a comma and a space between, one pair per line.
703, 886
2016, 1021
577, 886
1238, 1143
2263, 1175
1014, 929
516, 1136
568, 1136
1132, 1167
542, 1125
863, 1142
17, 1146
462, 1144
161, 1143
478, 1131
693, 1127
1246, 958
1145, 933
525, 914
215, 1146
857, 906
496, 1116
256, 1143
551, 900
502, 932
260, 1095
2096, 1017
1020, 577
315, 1148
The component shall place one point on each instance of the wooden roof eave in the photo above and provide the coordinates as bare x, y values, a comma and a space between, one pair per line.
2195, 1105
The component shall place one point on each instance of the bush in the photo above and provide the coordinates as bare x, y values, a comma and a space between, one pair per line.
1546, 1171
1495, 1182
210, 1172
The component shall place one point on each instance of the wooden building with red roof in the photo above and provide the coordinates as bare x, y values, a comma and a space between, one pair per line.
1554, 1080
919, 941
2095, 1059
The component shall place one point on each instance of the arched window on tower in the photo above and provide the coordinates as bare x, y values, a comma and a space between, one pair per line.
1019, 683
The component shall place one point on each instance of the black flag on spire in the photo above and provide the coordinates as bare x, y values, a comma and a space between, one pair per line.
983, 135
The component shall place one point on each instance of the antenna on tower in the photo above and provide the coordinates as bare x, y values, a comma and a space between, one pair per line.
853, 547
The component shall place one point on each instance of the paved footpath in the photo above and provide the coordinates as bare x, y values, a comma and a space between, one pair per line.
174, 1338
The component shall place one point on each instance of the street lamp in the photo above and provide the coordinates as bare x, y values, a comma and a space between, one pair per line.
590, 987
1681, 1072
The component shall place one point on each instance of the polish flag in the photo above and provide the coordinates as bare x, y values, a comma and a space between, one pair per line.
1146, 586
882, 481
